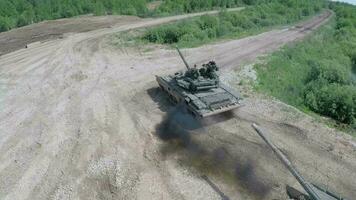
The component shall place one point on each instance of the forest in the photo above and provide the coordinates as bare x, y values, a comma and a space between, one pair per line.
318, 74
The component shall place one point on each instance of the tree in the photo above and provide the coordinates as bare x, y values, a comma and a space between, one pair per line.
99, 8
5, 24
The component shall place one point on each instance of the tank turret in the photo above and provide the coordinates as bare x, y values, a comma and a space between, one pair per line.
194, 79
314, 192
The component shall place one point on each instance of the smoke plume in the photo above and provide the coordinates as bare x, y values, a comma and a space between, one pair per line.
179, 127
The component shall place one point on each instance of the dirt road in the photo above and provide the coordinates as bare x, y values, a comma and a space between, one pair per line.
78, 121
56, 29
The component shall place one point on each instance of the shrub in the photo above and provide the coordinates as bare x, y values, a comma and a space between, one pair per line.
5, 24
318, 70
171, 35
208, 22
334, 100
181, 6
22, 12
207, 27
329, 70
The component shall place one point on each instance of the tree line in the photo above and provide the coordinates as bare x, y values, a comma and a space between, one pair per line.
251, 20
187, 6
16, 13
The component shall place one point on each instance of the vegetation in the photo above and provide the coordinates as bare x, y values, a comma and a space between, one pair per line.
15, 13
318, 73
251, 20
188, 6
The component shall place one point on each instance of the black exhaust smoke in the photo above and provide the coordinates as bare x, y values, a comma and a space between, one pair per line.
178, 129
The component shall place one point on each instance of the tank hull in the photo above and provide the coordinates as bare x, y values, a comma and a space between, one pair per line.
202, 103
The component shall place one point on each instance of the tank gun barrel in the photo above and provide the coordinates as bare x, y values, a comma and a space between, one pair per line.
307, 186
181, 55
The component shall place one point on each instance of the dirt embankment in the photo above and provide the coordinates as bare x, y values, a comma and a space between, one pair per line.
80, 120
48, 30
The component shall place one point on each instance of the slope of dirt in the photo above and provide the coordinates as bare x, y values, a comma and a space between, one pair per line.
79, 120
55, 29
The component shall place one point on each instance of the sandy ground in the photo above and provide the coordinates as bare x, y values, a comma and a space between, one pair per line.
80, 120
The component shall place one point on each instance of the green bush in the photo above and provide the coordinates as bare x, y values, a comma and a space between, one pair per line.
15, 13
334, 100
188, 6
165, 34
318, 73
208, 22
251, 20
328, 70
99, 8
5, 24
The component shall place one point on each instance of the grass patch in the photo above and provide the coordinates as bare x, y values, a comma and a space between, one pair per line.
315, 75
124, 41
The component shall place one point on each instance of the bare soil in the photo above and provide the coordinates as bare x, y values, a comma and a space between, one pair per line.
80, 120
55, 29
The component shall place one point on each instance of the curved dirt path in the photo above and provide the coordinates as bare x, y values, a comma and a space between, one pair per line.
78, 121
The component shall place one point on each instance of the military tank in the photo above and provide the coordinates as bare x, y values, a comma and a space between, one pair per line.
314, 192
200, 90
